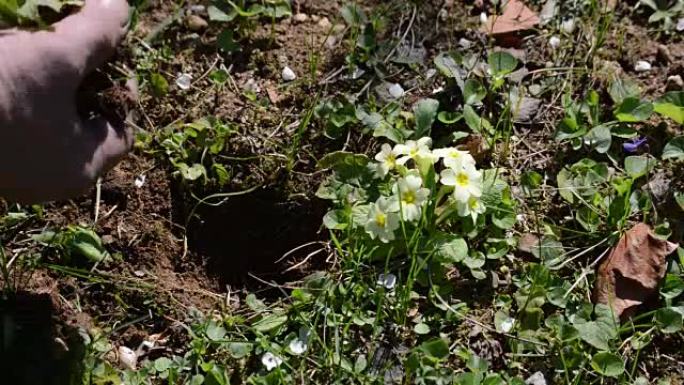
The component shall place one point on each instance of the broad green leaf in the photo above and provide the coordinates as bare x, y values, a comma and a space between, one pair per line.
437, 348
674, 149
608, 364
353, 14
638, 166
191, 172
473, 91
239, 349
673, 287
671, 105
565, 186
221, 12
160, 86
449, 247
215, 332
421, 328
622, 89
447, 117
425, 112
335, 220
599, 138
476, 123
468, 378
334, 159
501, 63
226, 41
162, 364
449, 64
634, 110
594, 334
668, 320
568, 128
270, 322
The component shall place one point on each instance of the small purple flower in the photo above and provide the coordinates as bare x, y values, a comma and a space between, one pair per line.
633, 145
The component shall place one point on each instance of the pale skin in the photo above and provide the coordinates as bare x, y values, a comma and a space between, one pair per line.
48, 151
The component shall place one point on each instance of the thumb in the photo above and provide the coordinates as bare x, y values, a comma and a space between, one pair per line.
110, 144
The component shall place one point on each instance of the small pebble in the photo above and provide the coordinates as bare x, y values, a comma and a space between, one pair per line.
198, 8
324, 23
396, 90
483, 17
675, 83
568, 25
465, 43
183, 81
642, 66
331, 41
300, 17
196, 23
288, 74
315, 18
554, 42
536, 379
127, 358
680, 24
139, 180
251, 86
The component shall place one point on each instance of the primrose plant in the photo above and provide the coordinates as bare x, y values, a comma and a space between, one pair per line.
419, 202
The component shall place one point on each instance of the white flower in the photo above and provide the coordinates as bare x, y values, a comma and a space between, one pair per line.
466, 181
554, 42
270, 361
409, 196
387, 158
183, 81
507, 325
298, 346
454, 158
381, 221
288, 74
388, 281
472, 207
414, 149
396, 90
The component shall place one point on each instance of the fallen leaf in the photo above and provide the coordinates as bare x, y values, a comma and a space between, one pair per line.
633, 270
273, 95
516, 17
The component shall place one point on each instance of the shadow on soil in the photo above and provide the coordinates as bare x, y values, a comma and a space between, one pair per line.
30, 353
249, 233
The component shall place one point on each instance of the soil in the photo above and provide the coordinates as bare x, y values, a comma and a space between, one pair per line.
174, 256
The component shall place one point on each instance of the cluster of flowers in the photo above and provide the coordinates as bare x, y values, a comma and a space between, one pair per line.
409, 195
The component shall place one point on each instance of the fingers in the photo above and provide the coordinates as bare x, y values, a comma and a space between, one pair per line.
91, 36
109, 144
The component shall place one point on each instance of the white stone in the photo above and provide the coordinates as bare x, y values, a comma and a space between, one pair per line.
127, 358
536, 379
300, 17
554, 42
483, 17
568, 25
642, 66
396, 90
183, 81
680, 24
324, 23
288, 74
465, 43
388, 281
139, 180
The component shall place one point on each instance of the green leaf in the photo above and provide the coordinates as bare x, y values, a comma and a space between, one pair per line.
215, 332
437, 348
476, 123
565, 186
337, 158
634, 110
162, 364
425, 112
222, 12
502, 63
226, 41
255, 304
421, 328
473, 91
239, 349
450, 247
608, 364
593, 334
191, 173
160, 86
668, 320
335, 220
599, 138
270, 322
621, 89
353, 14
674, 149
447, 117
673, 287
638, 166
449, 64
671, 105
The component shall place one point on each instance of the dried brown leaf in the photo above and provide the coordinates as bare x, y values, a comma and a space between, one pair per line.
632, 272
516, 17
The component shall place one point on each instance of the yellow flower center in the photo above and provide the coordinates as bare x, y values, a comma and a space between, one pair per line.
409, 197
473, 204
462, 179
380, 219
455, 154
391, 160
413, 153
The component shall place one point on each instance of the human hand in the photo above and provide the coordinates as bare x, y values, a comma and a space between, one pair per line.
48, 151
